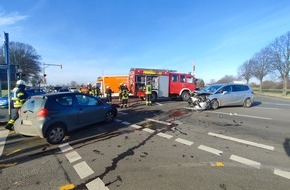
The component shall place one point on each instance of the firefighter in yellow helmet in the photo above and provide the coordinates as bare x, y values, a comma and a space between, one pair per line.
124, 97
19, 96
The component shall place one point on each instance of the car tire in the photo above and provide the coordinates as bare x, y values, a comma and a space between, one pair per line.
214, 104
55, 134
247, 103
185, 96
109, 116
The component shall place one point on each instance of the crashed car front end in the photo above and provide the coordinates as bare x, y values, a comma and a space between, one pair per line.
199, 100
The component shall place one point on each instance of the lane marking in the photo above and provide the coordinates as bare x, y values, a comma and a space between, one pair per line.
148, 130
118, 120
122, 113
12, 152
67, 187
246, 161
164, 135
8, 165
3, 136
282, 173
211, 150
96, 184
242, 141
136, 126
126, 123
158, 104
267, 108
83, 169
235, 114
277, 104
65, 147
183, 141
157, 121
73, 156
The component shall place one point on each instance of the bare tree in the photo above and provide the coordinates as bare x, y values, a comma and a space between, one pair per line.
245, 71
25, 57
280, 50
261, 65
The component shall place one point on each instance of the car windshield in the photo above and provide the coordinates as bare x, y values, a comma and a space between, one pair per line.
211, 88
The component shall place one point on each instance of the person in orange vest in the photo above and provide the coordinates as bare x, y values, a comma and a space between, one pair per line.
19, 96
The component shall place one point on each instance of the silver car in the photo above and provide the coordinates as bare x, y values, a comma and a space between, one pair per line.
51, 116
230, 95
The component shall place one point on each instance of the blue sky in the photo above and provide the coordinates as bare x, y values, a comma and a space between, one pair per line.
91, 38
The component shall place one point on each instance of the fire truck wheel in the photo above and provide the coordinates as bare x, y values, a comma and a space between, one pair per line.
185, 96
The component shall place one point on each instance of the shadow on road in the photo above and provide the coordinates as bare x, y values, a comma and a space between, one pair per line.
286, 146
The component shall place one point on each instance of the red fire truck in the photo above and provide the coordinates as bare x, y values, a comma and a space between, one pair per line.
165, 83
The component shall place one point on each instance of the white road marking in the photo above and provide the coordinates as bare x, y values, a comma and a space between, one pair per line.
282, 173
96, 184
3, 136
158, 104
118, 120
126, 123
164, 135
83, 169
73, 156
235, 114
136, 126
148, 130
246, 161
242, 141
122, 113
182, 141
65, 147
157, 121
211, 150
275, 104
266, 108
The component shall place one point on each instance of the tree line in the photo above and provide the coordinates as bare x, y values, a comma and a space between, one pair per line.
272, 59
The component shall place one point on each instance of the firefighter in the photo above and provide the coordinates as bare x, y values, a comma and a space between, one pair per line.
109, 94
148, 94
120, 92
19, 96
125, 97
90, 90
98, 91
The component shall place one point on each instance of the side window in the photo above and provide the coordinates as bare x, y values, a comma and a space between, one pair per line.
174, 78
64, 100
226, 88
182, 78
85, 100
238, 88
189, 79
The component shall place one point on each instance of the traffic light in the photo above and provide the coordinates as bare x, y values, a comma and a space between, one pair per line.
18, 76
44, 78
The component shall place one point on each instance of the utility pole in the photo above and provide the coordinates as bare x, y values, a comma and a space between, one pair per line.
7, 61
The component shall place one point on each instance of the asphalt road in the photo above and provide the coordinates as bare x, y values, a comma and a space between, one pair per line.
164, 146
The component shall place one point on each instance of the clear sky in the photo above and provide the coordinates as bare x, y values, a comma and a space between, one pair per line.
95, 37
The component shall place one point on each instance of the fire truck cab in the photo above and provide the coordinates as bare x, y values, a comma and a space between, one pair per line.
165, 83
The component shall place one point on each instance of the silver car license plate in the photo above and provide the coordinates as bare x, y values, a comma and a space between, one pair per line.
26, 122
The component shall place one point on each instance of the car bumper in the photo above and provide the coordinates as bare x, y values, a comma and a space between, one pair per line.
29, 129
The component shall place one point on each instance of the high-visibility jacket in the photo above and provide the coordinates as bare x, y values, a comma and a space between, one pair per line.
19, 97
125, 94
148, 89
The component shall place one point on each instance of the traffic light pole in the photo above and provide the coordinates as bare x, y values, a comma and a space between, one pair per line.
44, 66
7, 61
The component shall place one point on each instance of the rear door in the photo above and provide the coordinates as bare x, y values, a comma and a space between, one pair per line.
91, 109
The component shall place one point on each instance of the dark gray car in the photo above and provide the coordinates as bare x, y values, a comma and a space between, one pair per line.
51, 116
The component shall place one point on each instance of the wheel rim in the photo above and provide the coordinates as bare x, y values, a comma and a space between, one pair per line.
109, 116
215, 104
56, 134
248, 103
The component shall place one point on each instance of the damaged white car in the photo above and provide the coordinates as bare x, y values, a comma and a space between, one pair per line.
218, 95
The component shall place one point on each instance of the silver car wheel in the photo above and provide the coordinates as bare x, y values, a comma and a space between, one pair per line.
214, 104
55, 134
248, 103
